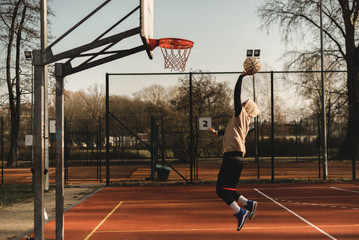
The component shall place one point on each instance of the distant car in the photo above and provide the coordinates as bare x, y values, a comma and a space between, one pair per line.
83, 144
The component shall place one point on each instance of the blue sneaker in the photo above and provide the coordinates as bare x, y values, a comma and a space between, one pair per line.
251, 207
241, 217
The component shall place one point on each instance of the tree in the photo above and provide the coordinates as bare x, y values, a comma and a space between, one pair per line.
154, 93
155, 98
301, 20
95, 102
209, 99
82, 109
14, 16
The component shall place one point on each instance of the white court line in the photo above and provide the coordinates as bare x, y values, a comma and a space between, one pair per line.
301, 218
213, 229
306, 187
345, 190
104, 220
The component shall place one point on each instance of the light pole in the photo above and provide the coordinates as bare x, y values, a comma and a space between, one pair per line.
28, 56
255, 53
324, 122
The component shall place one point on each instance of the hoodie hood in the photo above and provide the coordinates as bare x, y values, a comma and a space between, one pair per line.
251, 108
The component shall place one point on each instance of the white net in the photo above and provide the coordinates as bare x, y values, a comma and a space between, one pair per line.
176, 58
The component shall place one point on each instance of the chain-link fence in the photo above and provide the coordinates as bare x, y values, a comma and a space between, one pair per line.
131, 103
286, 144
83, 149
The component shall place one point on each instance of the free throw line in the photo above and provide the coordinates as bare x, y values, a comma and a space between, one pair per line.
99, 225
301, 218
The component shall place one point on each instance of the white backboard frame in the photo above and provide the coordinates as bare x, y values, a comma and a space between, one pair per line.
146, 23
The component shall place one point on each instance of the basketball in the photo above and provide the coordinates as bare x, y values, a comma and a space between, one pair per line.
252, 65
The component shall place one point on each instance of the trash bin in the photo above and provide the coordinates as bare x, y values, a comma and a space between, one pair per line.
163, 172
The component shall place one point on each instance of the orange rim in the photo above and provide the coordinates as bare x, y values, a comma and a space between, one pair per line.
171, 43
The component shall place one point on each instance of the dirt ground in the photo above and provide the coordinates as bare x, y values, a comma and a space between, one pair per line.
17, 220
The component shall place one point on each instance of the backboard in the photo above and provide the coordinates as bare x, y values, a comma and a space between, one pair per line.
146, 23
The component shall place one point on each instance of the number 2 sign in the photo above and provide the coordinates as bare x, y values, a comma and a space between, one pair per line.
205, 123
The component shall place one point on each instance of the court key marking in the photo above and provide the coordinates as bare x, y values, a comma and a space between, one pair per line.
316, 204
345, 190
99, 225
295, 214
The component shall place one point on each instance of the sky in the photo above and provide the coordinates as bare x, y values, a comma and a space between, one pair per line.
222, 31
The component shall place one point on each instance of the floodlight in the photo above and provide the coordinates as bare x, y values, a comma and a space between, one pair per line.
28, 54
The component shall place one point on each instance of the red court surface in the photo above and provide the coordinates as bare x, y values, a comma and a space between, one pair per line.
285, 211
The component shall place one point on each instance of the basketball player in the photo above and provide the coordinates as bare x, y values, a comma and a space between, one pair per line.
234, 137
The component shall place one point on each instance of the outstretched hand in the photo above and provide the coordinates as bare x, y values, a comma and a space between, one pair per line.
244, 73
211, 130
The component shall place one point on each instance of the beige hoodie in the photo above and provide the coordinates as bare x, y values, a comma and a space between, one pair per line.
237, 128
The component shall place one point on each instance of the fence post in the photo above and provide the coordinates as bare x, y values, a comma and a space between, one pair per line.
272, 123
154, 147
107, 132
2, 150
191, 128
66, 152
319, 153
353, 163
256, 156
99, 147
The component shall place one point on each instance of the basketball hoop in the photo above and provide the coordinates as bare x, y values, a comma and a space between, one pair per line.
175, 52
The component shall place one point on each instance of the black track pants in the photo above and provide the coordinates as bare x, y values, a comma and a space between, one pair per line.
228, 177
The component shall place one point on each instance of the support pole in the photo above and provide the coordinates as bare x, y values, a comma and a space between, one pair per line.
38, 138
38, 144
59, 152
46, 132
46, 101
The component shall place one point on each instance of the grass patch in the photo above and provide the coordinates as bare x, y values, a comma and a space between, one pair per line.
12, 194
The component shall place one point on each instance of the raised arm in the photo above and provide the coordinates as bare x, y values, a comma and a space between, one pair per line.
237, 94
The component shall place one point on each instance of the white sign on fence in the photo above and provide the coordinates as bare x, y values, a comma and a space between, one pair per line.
28, 140
52, 126
205, 123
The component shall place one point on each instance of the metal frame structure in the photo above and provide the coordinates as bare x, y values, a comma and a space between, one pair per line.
41, 58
